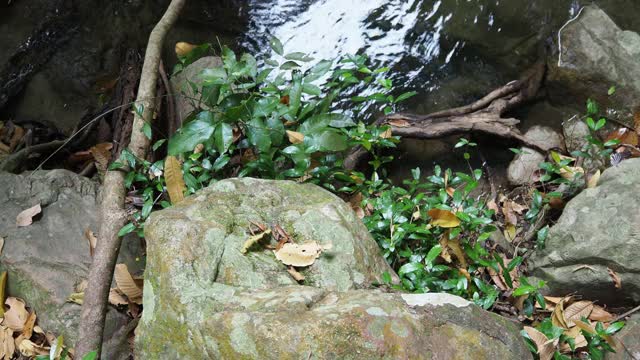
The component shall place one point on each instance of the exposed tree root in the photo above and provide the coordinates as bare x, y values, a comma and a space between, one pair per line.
113, 215
483, 116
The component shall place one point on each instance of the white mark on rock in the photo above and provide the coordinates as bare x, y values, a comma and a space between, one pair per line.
435, 299
376, 311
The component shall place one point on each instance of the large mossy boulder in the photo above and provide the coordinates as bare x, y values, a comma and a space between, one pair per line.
47, 259
598, 230
203, 298
594, 55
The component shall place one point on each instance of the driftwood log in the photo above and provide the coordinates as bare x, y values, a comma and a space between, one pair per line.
483, 116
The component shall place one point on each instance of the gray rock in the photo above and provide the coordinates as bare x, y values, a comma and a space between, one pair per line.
594, 55
575, 132
630, 337
47, 259
186, 98
598, 228
524, 165
203, 298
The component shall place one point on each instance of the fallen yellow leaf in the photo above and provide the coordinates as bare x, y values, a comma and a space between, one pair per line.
300, 255
295, 137
173, 178
254, 239
183, 48
443, 218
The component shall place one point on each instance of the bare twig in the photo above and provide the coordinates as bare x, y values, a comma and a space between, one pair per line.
113, 215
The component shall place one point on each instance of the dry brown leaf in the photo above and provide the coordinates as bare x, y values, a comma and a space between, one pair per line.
588, 327
570, 172
295, 137
300, 255
174, 179
443, 218
102, 155
91, 238
577, 311
355, 202
399, 123
28, 325
509, 214
593, 180
17, 315
624, 136
25, 218
127, 285
554, 299
18, 133
600, 314
444, 244
7, 345
454, 245
491, 205
576, 335
295, 274
386, 134
254, 239
184, 48
557, 316
536, 336
31, 349
116, 299
450, 191
616, 279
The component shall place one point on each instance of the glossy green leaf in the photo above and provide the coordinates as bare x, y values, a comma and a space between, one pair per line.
193, 133
276, 45
223, 137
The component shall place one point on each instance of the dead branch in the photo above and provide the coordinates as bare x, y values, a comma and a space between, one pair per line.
113, 215
483, 116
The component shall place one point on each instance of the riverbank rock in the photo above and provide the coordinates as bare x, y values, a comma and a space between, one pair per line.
597, 236
204, 298
596, 54
181, 85
47, 259
523, 167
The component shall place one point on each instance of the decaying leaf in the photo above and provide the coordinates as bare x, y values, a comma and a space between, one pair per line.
295, 274
254, 239
25, 218
577, 311
444, 244
183, 48
295, 137
17, 315
616, 279
1, 244
31, 349
455, 247
198, 149
443, 218
174, 180
28, 325
102, 155
589, 328
491, 205
127, 285
355, 202
600, 314
300, 255
7, 345
593, 180
91, 238
116, 299
18, 133
510, 232
76, 298
579, 340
